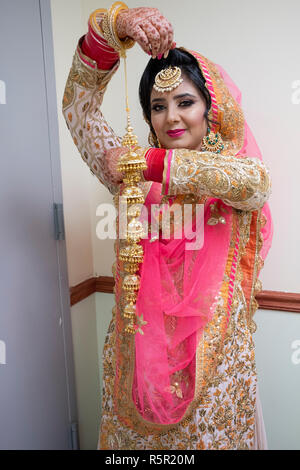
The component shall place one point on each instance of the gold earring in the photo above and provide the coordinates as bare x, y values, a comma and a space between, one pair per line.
153, 140
212, 142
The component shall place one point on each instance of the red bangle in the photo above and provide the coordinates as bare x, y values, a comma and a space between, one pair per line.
155, 161
96, 48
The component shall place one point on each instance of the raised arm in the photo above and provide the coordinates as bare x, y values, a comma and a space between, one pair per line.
94, 63
83, 96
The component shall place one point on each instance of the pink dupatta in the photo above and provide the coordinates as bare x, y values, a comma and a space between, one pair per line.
180, 288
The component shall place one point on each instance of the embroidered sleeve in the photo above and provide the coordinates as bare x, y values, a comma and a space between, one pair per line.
82, 99
243, 183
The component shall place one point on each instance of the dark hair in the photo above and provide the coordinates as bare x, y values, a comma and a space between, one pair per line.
189, 67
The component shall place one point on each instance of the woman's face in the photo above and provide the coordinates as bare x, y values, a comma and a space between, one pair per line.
177, 116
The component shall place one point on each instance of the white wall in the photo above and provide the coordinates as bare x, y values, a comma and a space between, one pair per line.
257, 43
277, 342
68, 26
87, 370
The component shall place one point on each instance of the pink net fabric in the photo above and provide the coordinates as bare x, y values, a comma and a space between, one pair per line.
179, 290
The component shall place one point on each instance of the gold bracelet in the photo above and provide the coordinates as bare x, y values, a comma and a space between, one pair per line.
110, 31
94, 20
113, 12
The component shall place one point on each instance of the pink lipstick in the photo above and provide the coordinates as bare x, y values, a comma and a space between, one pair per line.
176, 133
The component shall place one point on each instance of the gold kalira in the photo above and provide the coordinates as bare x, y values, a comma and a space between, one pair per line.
129, 311
131, 164
131, 268
133, 194
131, 282
132, 254
135, 230
168, 79
131, 296
130, 328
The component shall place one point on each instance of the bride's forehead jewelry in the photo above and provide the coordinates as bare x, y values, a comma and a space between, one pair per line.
168, 79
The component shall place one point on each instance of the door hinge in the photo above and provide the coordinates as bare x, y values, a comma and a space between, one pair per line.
59, 228
74, 436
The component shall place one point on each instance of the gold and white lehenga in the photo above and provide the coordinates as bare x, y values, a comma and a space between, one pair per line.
227, 415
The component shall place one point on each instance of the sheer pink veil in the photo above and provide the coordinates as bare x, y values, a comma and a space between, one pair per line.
179, 292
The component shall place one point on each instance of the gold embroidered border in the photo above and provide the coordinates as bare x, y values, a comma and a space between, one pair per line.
230, 114
166, 167
256, 283
253, 242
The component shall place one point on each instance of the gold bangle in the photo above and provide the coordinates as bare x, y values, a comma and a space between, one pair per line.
110, 31
107, 33
94, 20
113, 12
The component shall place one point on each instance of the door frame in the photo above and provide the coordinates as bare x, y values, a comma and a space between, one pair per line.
54, 149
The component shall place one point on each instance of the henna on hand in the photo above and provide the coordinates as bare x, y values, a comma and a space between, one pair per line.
112, 157
148, 27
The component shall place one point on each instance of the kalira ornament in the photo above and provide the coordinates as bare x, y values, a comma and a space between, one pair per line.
132, 256
129, 311
131, 164
133, 194
131, 282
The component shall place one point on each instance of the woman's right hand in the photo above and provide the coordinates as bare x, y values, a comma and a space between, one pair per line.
148, 27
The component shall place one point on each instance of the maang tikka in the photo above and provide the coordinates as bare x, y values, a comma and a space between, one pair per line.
168, 79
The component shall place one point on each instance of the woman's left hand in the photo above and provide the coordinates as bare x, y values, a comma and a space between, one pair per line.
148, 27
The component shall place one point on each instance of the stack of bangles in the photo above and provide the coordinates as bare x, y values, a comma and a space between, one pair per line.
155, 158
101, 43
